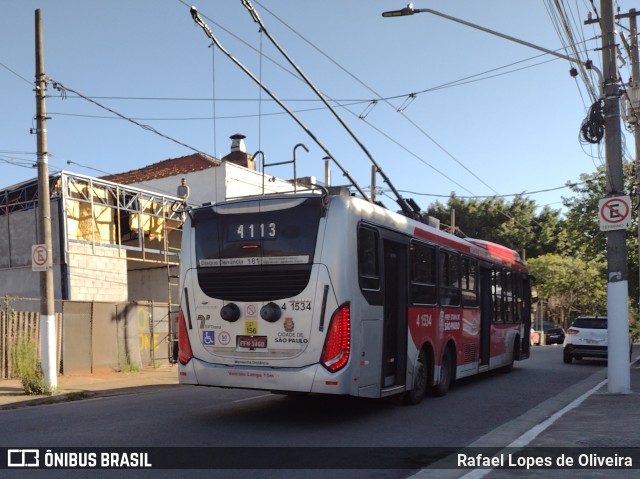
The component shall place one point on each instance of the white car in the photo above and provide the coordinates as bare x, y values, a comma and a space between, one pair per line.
587, 337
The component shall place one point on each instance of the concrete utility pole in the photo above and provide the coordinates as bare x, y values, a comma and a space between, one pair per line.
47, 308
617, 279
635, 83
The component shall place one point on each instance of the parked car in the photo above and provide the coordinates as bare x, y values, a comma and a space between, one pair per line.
588, 336
534, 338
554, 336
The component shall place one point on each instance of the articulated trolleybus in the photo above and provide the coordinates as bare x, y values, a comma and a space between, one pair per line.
329, 293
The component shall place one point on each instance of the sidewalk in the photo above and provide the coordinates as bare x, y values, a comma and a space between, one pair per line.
584, 419
604, 424
76, 387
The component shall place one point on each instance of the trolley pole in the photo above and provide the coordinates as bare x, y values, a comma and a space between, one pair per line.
617, 279
47, 309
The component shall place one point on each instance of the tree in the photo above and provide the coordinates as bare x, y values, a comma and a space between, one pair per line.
569, 286
515, 225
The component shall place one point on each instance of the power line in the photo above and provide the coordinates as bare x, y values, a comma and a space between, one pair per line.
523, 193
63, 89
227, 117
16, 74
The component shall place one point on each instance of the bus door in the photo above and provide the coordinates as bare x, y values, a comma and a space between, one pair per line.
526, 317
486, 315
394, 343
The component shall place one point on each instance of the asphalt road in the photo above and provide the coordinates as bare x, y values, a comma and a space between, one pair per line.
210, 417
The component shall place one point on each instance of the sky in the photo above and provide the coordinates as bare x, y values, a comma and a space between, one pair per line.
441, 107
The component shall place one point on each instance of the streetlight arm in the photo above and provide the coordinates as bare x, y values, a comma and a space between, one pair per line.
409, 10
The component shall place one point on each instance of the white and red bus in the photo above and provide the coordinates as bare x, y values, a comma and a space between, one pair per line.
336, 295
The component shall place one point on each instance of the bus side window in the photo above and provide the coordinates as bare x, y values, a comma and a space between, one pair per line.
469, 289
508, 296
368, 262
498, 302
449, 279
423, 274
519, 297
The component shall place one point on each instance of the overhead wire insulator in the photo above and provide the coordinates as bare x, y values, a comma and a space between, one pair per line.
407, 101
368, 109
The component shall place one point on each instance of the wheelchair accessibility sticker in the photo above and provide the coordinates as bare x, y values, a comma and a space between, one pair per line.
208, 338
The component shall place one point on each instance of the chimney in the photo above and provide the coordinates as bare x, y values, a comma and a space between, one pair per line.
237, 143
238, 154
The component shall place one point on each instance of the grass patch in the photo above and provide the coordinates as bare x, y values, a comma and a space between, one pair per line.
128, 367
27, 367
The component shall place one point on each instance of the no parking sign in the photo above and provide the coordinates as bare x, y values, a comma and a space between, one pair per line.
615, 213
40, 259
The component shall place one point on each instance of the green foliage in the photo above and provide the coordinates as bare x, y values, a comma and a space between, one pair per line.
513, 224
634, 323
128, 367
27, 367
569, 286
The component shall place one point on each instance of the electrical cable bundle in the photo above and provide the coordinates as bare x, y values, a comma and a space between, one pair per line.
592, 128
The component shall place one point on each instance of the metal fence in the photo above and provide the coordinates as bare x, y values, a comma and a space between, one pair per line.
95, 336
16, 326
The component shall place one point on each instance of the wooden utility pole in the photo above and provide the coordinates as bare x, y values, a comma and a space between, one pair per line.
617, 278
47, 308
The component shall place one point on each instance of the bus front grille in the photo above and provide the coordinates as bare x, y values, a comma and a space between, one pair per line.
254, 285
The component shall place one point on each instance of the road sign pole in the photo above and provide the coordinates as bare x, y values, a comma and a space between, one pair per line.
617, 279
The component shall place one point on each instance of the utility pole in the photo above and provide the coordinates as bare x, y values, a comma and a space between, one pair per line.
47, 308
634, 88
374, 170
617, 279
452, 215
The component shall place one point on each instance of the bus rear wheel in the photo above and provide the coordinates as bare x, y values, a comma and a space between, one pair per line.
446, 375
420, 378
514, 354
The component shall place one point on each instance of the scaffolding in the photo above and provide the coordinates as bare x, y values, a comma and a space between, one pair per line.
144, 223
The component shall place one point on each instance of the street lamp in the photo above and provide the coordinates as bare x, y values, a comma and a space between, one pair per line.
409, 10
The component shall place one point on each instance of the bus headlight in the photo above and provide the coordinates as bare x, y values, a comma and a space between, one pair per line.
270, 312
230, 312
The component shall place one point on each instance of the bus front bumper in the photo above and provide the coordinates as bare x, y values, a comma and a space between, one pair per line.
309, 379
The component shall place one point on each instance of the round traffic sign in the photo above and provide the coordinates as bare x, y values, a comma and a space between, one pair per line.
614, 210
40, 255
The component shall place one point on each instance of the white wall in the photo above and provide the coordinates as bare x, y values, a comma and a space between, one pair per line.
217, 184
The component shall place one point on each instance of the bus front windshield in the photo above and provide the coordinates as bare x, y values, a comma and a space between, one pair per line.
271, 233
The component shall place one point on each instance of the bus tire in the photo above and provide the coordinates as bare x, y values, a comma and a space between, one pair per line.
514, 354
446, 375
420, 378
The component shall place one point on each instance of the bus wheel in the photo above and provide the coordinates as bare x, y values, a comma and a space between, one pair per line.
420, 378
515, 353
446, 375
